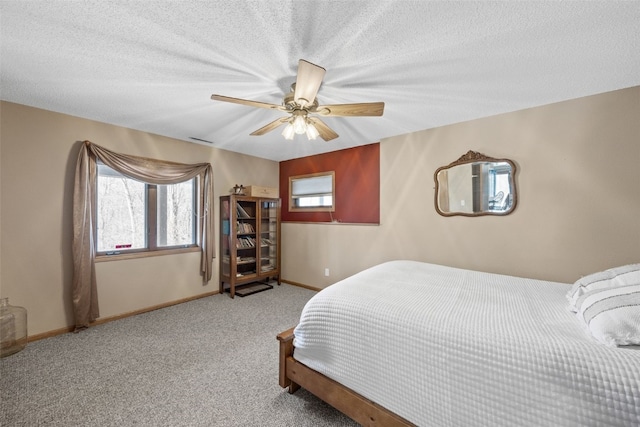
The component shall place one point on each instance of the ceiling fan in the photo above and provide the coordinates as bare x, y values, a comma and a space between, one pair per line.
302, 106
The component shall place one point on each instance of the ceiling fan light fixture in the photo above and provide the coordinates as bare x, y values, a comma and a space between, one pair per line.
312, 132
288, 132
299, 124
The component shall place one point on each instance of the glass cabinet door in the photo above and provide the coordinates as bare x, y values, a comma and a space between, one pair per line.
225, 238
268, 235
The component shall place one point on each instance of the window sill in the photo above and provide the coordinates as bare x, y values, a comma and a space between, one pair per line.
146, 254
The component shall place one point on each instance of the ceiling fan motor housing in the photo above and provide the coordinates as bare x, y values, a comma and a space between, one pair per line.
291, 105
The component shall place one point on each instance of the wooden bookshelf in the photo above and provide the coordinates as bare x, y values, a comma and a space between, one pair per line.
249, 244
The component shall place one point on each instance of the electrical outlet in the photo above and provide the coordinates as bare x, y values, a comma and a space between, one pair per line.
326, 272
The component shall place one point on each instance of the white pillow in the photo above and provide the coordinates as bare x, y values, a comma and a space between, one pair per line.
612, 315
618, 276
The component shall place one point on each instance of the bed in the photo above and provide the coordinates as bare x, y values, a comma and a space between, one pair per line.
410, 343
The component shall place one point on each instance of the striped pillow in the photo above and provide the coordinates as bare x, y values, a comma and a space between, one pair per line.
618, 276
612, 315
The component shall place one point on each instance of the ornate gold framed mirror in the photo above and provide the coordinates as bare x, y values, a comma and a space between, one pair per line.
476, 185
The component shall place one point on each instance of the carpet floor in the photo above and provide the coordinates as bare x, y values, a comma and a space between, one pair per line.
207, 362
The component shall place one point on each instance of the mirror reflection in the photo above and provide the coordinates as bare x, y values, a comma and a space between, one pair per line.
476, 185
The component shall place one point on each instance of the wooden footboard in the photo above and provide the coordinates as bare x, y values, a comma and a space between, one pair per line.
294, 375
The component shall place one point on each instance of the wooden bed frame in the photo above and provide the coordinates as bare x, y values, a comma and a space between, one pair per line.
294, 375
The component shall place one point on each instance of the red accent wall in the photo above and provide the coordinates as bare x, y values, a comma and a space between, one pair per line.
357, 186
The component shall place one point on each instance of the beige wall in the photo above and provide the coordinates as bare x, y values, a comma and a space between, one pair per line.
578, 183
578, 209
38, 154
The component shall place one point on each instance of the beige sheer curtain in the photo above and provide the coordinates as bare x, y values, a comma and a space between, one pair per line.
85, 298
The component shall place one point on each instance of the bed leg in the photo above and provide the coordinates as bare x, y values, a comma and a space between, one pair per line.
293, 387
286, 350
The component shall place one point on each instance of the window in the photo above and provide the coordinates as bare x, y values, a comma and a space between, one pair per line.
133, 216
313, 192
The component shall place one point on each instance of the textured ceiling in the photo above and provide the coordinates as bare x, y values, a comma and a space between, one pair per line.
153, 65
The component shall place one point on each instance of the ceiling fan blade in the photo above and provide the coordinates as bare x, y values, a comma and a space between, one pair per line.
247, 102
270, 126
308, 82
353, 110
325, 131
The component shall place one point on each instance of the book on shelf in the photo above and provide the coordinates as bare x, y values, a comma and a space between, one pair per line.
245, 227
240, 259
241, 212
245, 273
267, 267
245, 242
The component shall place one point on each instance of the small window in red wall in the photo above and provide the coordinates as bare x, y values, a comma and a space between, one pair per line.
312, 193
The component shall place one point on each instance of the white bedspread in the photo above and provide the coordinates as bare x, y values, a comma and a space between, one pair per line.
448, 347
